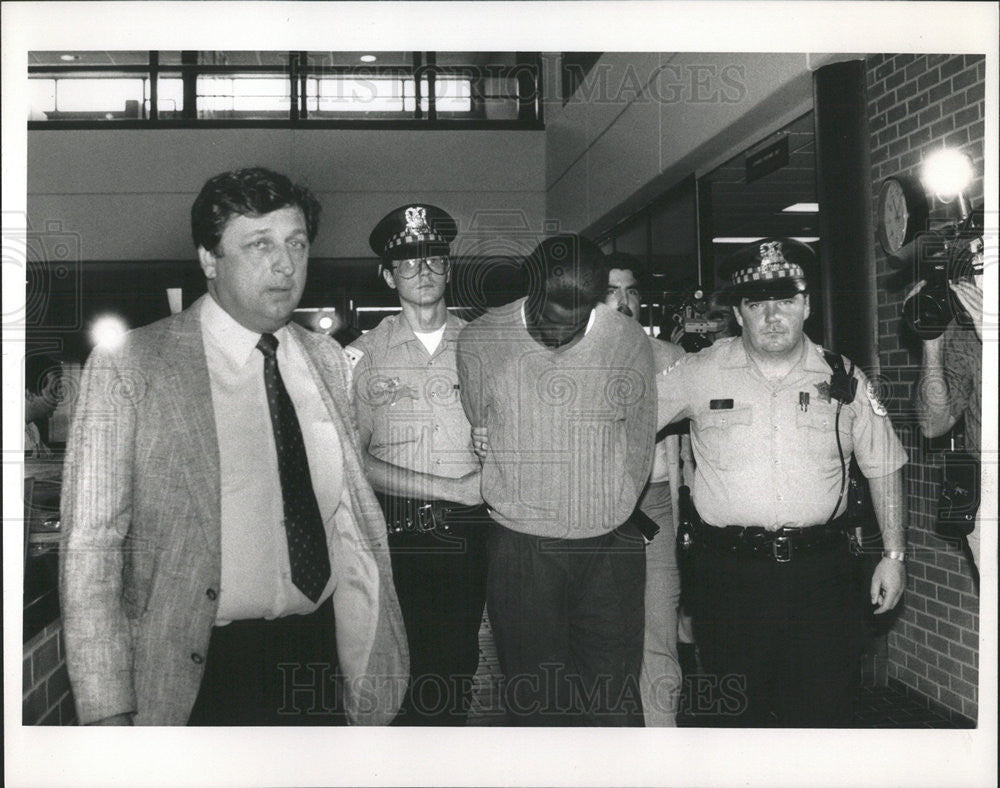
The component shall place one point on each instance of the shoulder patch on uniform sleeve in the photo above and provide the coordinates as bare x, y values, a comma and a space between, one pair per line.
353, 355
873, 399
676, 363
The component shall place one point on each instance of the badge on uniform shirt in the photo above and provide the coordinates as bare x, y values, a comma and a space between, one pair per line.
824, 390
353, 355
876, 404
392, 390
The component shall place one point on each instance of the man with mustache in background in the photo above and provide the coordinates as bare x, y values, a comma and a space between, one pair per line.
660, 679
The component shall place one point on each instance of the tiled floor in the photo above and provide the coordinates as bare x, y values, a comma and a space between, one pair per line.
486, 706
887, 707
876, 707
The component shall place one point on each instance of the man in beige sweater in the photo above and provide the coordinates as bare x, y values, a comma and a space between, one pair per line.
564, 387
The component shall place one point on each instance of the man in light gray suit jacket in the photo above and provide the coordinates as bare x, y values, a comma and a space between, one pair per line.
225, 559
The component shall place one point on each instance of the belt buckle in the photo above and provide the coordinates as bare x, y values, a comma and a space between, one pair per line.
781, 549
425, 518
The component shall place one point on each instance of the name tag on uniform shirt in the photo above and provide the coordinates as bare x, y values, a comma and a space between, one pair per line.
720, 404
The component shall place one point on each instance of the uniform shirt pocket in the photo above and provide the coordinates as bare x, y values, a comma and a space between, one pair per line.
816, 428
725, 435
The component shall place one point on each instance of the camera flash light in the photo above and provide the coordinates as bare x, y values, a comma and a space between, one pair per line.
947, 173
108, 331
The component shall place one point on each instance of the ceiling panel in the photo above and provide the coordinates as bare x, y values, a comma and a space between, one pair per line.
756, 209
67, 57
263, 58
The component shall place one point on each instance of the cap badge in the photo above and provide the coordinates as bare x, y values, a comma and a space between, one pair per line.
416, 219
771, 257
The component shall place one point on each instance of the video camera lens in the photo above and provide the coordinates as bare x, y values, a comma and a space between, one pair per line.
928, 312
940, 257
692, 343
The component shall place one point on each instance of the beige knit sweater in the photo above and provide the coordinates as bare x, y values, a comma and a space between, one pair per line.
570, 431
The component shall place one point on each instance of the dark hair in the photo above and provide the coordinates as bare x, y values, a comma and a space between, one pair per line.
37, 368
624, 261
567, 269
253, 191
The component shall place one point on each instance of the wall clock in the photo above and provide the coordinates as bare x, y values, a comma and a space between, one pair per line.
902, 212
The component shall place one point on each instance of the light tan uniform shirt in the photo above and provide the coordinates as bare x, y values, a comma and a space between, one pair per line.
407, 401
766, 451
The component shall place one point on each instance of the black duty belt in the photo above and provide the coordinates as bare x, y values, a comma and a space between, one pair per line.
415, 516
777, 545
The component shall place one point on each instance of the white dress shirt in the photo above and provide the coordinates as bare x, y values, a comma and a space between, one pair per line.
256, 577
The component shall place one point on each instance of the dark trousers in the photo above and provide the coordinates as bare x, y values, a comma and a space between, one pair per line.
568, 617
440, 579
779, 642
277, 672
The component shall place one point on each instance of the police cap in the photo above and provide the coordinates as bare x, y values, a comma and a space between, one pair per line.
413, 230
767, 269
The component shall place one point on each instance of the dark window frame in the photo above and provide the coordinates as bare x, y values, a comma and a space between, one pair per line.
526, 73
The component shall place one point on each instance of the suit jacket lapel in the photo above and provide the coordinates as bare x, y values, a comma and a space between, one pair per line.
333, 384
188, 413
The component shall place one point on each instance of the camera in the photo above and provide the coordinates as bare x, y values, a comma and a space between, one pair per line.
692, 310
941, 256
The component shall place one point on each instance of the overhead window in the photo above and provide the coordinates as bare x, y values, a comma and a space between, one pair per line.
100, 98
284, 87
452, 94
333, 95
244, 96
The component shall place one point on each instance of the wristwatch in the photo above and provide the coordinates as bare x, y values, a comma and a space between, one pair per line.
895, 555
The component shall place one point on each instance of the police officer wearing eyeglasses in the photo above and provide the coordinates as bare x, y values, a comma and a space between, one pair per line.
421, 463
774, 418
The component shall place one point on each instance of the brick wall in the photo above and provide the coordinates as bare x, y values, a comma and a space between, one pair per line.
46, 698
918, 104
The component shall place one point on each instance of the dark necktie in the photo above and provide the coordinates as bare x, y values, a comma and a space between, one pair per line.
307, 549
